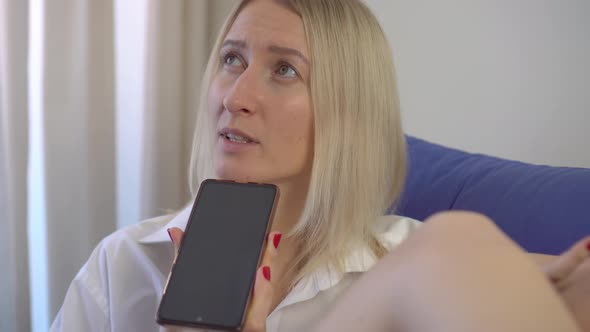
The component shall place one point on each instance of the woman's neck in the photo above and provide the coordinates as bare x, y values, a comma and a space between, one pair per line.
289, 208
288, 211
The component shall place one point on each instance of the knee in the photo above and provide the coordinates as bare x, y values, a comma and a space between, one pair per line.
454, 235
461, 226
448, 245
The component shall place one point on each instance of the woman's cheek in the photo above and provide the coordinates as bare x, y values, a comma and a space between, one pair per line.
215, 95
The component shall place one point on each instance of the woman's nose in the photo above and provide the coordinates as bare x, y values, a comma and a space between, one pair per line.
243, 95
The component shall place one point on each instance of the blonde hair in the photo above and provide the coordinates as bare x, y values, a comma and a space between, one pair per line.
359, 161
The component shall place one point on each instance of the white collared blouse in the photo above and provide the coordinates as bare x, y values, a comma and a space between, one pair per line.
119, 288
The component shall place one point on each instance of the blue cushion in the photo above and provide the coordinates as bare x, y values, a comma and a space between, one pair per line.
542, 208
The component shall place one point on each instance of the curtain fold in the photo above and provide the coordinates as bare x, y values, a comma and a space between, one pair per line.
179, 37
163, 182
78, 125
83, 142
14, 280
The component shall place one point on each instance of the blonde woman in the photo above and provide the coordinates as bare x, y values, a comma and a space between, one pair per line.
302, 94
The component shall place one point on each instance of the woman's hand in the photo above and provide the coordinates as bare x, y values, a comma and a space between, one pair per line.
262, 297
570, 274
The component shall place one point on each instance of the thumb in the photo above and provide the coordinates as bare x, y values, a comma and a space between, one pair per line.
262, 296
175, 236
261, 302
565, 264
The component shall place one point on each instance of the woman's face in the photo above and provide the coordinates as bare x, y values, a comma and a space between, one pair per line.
260, 98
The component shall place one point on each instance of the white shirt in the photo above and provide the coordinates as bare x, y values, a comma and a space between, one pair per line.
119, 287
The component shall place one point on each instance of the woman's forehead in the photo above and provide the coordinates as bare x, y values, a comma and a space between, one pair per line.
268, 22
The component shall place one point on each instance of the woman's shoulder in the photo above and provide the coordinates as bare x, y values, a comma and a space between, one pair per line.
120, 270
124, 248
124, 253
391, 230
135, 234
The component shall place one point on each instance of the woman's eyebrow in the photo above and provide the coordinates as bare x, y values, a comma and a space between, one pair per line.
288, 51
240, 44
234, 43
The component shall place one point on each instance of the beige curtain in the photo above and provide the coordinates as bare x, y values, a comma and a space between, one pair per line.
180, 36
77, 109
14, 278
85, 171
117, 101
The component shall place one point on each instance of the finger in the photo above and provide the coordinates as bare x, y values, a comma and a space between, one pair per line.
261, 301
565, 264
263, 288
271, 249
176, 235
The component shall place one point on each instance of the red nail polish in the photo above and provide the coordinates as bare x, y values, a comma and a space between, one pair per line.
170, 235
276, 240
266, 272
588, 246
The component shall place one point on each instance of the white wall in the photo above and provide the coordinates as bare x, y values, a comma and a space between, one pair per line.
509, 78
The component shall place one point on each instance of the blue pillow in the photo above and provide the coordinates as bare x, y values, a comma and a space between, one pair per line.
542, 208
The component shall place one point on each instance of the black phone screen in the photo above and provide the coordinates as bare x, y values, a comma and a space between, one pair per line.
213, 275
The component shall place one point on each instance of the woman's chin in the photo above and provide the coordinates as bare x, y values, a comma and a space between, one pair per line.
241, 175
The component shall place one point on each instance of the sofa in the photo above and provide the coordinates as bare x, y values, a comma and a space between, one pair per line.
542, 208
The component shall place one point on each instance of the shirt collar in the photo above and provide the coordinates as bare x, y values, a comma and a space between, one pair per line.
391, 230
161, 234
325, 277
359, 261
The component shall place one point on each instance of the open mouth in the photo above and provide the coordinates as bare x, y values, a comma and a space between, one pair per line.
236, 138
235, 135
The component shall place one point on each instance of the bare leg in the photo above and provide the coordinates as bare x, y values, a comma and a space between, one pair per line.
458, 272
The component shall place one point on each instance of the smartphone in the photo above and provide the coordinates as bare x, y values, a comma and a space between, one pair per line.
212, 277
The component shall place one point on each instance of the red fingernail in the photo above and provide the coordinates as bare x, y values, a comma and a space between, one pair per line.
276, 240
266, 272
588, 246
170, 235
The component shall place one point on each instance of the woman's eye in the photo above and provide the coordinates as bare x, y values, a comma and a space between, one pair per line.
232, 60
286, 71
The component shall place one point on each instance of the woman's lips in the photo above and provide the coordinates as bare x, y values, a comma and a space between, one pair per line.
232, 146
236, 134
